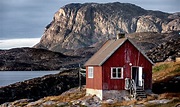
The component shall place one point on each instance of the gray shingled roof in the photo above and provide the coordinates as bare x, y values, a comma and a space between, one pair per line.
107, 50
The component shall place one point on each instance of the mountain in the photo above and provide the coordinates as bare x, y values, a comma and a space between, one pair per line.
157, 46
77, 25
36, 59
79, 30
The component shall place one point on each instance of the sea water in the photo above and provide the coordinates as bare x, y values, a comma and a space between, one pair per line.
10, 77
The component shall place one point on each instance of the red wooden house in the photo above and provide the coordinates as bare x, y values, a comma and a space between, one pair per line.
118, 65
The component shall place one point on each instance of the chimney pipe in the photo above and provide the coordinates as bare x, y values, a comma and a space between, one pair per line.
120, 35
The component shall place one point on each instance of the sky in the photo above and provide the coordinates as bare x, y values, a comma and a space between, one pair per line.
22, 22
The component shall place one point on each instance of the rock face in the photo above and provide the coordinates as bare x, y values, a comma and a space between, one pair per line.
146, 41
87, 25
165, 51
34, 89
36, 59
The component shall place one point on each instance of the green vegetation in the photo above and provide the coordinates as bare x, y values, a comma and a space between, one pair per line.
160, 67
177, 68
165, 70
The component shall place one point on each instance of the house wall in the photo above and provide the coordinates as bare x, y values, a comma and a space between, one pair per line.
96, 81
126, 55
98, 93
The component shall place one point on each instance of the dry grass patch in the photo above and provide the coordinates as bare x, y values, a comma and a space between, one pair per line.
67, 97
169, 96
165, 70
152, 97
122, 103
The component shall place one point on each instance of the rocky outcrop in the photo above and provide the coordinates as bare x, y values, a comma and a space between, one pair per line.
146, 41
170, 85
77, 26
165, 51
36, 59
36, 88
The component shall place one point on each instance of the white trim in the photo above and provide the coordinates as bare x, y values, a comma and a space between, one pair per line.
140, 79
116, 72
90, 72
134, 66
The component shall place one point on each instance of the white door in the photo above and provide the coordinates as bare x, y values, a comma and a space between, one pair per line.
140, 77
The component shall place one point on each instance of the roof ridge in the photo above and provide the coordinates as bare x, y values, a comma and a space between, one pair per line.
111, 42
108, 49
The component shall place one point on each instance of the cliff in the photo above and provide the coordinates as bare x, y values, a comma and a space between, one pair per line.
77, 26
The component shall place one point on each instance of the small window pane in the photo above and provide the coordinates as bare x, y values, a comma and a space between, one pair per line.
114, 72
90, 72
119, 72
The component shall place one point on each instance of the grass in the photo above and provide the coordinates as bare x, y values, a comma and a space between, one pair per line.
160, 67
67, 97
165, 70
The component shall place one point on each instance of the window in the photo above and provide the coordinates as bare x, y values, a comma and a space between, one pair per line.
116, 73
90, 72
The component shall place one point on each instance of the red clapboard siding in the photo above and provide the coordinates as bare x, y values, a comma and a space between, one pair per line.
116, 60
96, 82
126, 54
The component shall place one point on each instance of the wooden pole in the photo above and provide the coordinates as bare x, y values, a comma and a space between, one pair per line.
79, 77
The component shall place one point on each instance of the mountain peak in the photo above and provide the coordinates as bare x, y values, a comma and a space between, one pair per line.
82, 25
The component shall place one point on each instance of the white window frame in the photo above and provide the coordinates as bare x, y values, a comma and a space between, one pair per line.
90, 72
121, 77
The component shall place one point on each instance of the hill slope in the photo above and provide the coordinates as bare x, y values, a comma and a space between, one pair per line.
166, 77
82, 25
166, 82
36, 59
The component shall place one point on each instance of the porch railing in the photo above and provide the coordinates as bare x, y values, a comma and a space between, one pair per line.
143, 84
133, 88
130, 85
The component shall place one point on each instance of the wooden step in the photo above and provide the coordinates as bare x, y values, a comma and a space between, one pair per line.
140, 93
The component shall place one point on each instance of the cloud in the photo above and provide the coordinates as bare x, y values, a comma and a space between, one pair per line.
17, 43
